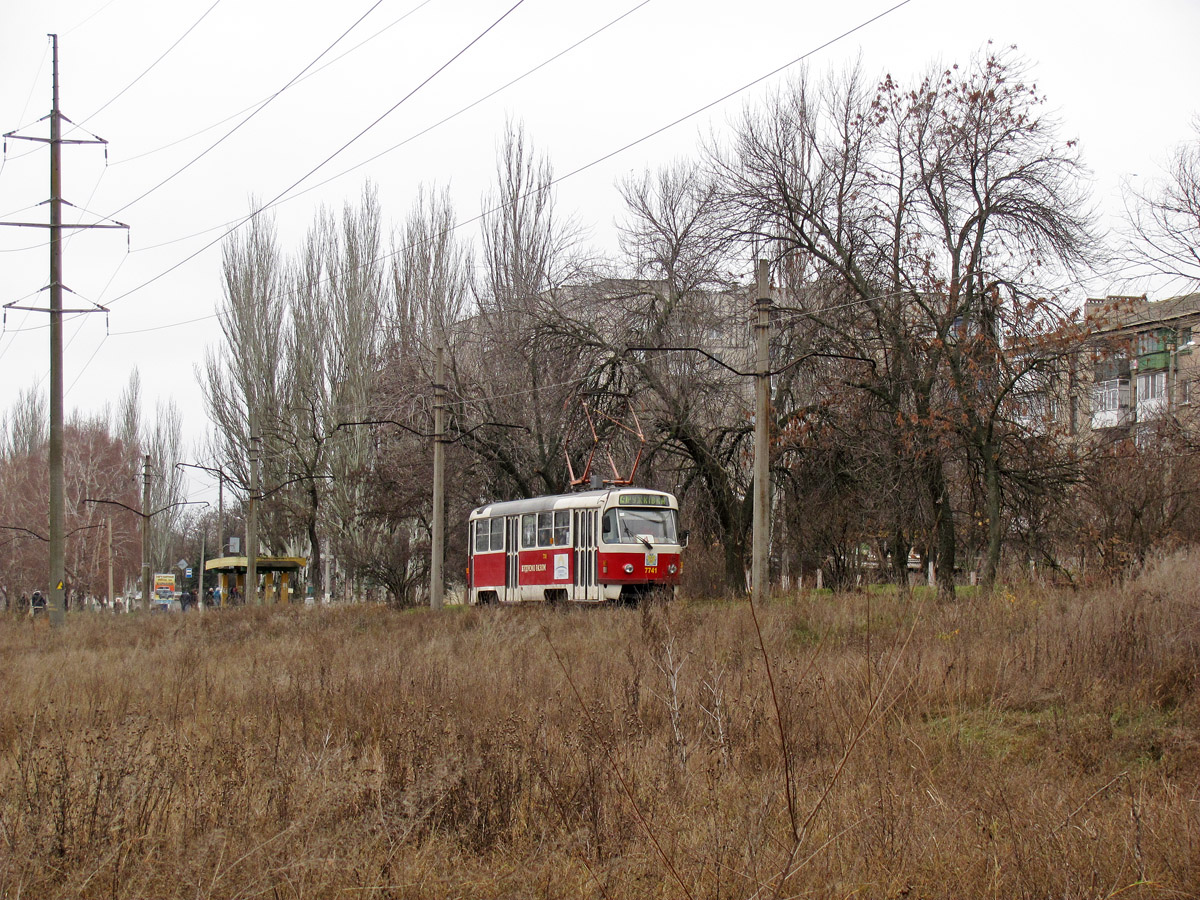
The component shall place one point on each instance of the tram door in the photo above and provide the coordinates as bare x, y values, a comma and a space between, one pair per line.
512, 562
585, 585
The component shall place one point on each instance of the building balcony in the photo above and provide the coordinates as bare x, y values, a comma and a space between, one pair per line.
1112, 418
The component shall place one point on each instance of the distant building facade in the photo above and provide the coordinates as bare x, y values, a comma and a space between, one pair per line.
1145, 360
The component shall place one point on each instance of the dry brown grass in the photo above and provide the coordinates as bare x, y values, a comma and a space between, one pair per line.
1026, 744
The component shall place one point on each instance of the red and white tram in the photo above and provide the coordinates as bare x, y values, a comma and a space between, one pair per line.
616, 544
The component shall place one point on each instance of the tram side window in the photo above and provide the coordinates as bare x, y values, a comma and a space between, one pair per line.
498, 533
545, 529
528, 531
554, 528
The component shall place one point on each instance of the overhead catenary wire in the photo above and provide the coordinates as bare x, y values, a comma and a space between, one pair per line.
609, 155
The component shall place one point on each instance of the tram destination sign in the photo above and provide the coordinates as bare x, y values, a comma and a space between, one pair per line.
644, 500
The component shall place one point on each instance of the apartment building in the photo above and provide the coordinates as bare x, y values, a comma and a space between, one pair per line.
1145, 358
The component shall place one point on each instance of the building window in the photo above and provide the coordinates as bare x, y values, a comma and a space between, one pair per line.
1152, 386
1151, 342
1106, 396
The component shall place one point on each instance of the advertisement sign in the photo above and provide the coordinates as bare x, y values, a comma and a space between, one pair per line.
164, 582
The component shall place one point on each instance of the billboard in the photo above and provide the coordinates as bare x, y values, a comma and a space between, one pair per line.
164, 582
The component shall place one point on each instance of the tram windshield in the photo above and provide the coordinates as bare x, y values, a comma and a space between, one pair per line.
626, 525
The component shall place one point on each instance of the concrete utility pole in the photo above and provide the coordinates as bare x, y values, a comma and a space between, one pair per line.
57, 584
146, 532
759, 571
436, 579
252, 516
57, 551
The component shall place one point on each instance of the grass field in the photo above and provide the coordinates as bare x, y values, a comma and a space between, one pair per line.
1028, 743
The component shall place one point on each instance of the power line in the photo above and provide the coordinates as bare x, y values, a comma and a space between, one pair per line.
329, 158
576, 171
424, 131
259, 109
178, 41
215, 315
89, 18
655, 133
25, 108
558, 180
363, 42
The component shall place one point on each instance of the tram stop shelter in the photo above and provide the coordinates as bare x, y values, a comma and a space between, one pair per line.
277, 572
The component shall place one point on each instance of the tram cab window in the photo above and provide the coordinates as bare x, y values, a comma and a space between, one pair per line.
632, 525
528, 531
489, 535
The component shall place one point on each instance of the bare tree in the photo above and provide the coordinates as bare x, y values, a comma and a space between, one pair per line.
244, 376
27, 428
431, 277
933, 218
431, 280
164, 444
357, 292
97, 465
504, 364
1165, 219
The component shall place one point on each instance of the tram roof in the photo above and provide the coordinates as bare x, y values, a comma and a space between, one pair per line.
585, 499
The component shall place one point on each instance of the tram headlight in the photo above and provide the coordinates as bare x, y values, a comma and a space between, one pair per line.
628, 568
672, 568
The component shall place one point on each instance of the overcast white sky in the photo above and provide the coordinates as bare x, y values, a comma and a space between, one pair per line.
1122, 76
